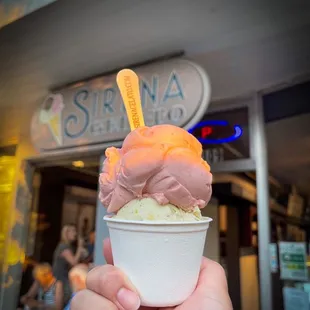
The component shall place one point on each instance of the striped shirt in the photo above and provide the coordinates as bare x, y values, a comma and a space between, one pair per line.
48, 297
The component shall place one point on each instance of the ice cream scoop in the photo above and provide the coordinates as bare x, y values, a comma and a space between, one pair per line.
148, 209
162, 162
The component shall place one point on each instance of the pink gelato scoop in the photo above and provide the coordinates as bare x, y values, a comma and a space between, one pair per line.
162, 162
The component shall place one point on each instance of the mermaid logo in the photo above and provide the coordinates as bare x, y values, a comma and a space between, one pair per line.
51, 115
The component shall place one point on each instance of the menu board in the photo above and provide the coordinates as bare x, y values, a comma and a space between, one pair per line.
293, 260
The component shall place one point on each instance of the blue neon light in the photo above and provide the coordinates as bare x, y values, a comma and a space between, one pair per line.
237, 134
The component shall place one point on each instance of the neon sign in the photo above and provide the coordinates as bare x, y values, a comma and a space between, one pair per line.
208, 130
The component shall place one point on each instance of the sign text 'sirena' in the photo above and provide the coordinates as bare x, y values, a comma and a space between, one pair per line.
177, 93
132, 102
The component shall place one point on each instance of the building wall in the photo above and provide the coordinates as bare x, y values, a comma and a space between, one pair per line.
234, 71
18, 223
258, 65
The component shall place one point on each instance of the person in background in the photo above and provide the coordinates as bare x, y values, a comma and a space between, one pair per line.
85, 228
77, 278
90, 247
47, 289
27, 277
65, 258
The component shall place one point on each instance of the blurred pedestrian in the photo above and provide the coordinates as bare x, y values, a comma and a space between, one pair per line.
65, 257
77, 278
46, 288
90, 247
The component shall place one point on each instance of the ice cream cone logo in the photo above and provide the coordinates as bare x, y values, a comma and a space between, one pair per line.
51, 115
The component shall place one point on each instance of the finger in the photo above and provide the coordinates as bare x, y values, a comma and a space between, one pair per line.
109, 282
107, 251
89, 300
212, 275
212, 288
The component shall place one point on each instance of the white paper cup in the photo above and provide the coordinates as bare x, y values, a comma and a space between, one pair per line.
161, 259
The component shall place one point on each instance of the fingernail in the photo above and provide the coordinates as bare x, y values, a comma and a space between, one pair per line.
128, 299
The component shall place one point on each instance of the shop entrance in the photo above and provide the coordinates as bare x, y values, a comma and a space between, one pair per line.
64, 193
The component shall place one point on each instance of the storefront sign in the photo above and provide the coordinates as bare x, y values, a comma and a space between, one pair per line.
293, 261
214, 155
224, 135
174, 92
211, 133
208, 132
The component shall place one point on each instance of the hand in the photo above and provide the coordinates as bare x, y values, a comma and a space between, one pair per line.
84, 253
108, 288
24, 299
80, 243
32, 303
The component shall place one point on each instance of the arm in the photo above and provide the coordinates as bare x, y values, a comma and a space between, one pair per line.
89, 258
73, 259
70, 258
59, 296
31, 294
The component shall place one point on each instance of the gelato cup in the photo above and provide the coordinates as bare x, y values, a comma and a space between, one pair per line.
156, 184
162, 259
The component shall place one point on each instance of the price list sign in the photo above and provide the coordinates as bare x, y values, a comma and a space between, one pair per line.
293, 261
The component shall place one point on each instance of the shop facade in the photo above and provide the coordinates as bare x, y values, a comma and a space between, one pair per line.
87, 117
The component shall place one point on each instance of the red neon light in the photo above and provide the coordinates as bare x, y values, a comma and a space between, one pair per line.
206, 131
